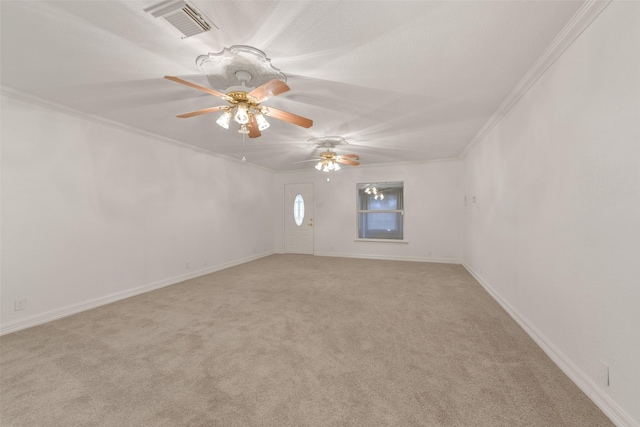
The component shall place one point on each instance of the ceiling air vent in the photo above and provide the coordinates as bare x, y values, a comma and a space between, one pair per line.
186, 18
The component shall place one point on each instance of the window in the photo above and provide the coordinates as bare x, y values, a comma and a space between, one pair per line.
381, 210
298, 209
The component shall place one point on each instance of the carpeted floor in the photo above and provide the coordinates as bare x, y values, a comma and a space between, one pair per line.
292, 340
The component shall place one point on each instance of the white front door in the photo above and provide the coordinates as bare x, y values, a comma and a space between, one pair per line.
298, 218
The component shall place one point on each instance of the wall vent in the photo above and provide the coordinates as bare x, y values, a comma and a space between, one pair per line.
183, 16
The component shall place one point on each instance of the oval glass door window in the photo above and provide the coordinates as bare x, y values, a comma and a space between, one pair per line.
298, 209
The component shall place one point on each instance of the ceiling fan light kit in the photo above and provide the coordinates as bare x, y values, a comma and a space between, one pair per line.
328, 165
245, 110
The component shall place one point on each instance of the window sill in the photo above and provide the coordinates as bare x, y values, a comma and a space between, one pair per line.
381, 240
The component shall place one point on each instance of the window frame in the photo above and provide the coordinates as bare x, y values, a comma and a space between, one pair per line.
389, 184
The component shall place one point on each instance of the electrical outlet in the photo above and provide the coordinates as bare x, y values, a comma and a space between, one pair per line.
603, 373
20, 304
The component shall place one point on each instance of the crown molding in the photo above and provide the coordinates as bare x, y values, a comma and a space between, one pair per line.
40, 102
587, 13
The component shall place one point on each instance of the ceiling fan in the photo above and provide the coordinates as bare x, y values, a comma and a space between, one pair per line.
330, 161
245, 108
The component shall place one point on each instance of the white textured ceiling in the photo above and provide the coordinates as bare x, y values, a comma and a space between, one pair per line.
400, 80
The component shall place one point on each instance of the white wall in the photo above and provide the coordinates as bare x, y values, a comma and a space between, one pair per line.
92, 212
555, 232
433, 210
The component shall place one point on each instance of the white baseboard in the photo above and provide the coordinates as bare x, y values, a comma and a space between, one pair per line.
59, 313
611, 409
391, 257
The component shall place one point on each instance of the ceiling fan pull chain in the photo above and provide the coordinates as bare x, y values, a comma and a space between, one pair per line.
244, 159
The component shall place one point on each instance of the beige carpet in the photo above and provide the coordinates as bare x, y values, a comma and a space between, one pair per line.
292, 340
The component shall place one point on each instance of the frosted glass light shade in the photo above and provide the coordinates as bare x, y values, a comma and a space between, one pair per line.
262, 122
224, 119
242, 114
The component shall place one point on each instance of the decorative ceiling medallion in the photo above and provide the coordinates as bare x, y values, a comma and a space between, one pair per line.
238, 66
327, 141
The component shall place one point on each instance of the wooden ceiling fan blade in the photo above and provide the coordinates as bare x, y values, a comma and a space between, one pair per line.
348, 162
268, 90
350, 156
305, 161
203, 111
287, 117
254, 132
202, 88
